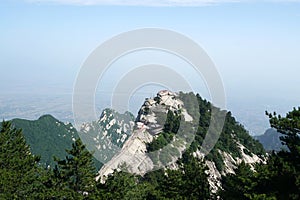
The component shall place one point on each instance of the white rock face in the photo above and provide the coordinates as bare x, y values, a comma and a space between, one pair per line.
132, 155
230, 165
148, 125
186, 116
86, 127
214, 176
107, 135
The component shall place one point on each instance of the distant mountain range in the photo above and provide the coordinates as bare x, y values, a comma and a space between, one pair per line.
270, 140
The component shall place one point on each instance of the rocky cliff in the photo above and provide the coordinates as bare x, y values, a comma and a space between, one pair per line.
152, 125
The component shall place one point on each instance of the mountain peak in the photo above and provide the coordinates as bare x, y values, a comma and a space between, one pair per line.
152, 129
47, 117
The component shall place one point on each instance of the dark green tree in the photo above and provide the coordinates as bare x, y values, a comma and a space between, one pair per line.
238, 185
279, 178
273, 180
123, 185
172, 185
287, 165
172, 122
76, 173
196, 185
189, 181
289, 126
19, 172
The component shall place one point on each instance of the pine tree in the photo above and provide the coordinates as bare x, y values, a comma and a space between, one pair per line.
238, 185
289, 126
189, 181
19, 172
123, 185
76, 173
288, 162
196, 185
172, 186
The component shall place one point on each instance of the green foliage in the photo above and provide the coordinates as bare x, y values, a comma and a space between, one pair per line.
196, 180
289, 126
286, 164
231, 136
276, 179
171, 127
76, 172
19, 172
172, 123
232, 133
237, 186
279, 178
21, 177
108, 115
74, 177
47, 137
188, 182
122, 185
162, 140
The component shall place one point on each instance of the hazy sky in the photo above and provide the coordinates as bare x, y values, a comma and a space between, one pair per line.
254, 44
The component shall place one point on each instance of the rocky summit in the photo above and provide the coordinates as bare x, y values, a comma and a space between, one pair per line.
156, 142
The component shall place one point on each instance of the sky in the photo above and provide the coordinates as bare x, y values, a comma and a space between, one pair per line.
255, 45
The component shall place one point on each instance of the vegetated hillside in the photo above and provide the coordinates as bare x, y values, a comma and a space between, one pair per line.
165, 122
279, 176
188, 178
163, 129
234, 138
271, 140
47, 137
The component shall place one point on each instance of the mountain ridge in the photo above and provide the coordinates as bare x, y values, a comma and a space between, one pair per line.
234, 146
47, 137
118, 138
271, 140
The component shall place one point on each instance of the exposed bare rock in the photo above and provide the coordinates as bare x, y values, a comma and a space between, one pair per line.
214, 176
132, 155
149, 123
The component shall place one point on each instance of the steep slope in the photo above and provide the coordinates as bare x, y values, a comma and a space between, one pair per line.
106, 136
47, 137
149, 124
233, 146
162, 135
167, 127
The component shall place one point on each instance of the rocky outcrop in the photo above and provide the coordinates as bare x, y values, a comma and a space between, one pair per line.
134, 157
106, 136
230, 164
149, 123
